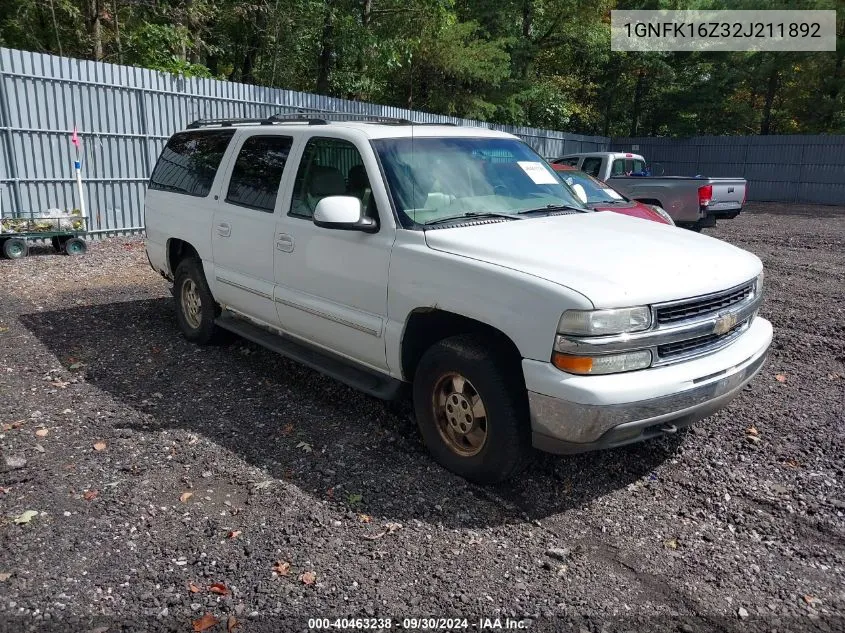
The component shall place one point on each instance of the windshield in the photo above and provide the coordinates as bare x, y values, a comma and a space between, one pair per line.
597, 192
434, 179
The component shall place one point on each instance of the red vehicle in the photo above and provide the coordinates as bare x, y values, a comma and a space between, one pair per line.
601, 197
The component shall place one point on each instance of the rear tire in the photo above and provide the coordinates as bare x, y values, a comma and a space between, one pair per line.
472, 410
15, 248
196, 309
74, 246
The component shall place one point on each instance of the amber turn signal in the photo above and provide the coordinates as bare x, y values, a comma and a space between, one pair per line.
572, 364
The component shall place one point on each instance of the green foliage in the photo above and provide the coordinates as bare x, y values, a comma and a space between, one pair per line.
544, 63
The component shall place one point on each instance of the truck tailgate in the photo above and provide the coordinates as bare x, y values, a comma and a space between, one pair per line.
728, 194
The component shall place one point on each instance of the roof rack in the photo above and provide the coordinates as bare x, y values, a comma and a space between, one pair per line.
322, 117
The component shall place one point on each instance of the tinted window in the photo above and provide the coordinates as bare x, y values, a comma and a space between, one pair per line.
258, 172
627, 166
591, 166
189, 162
330, 167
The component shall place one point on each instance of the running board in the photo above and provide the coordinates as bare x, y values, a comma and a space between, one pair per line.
347, 372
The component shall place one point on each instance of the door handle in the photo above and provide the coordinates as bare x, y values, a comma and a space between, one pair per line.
284, 242
224, 230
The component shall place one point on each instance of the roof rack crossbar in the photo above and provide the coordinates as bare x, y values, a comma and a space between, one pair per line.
320, 117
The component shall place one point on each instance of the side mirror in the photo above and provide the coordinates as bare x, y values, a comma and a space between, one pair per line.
343, 213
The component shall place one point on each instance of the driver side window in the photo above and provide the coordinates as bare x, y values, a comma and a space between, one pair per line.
330, 167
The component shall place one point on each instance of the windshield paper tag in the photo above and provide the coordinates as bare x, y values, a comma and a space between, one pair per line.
612, 194
536, 172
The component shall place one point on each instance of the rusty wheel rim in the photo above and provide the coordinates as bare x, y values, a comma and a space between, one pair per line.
191, 304
460, 415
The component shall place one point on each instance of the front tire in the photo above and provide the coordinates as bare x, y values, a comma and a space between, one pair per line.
196, 309
15, 248
472, 410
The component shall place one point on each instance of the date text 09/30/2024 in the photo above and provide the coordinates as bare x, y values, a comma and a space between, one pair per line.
419, 624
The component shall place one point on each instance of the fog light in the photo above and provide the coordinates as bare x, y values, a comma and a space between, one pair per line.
606, 364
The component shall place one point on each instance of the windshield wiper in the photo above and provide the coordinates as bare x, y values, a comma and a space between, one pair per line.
473, 215
551, 208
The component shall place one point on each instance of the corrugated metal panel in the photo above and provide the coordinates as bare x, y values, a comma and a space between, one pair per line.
799, 168
125, 115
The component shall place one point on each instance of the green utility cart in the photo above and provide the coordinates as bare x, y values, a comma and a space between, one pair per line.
66, 232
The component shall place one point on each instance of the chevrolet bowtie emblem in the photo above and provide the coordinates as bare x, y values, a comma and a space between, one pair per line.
724, 324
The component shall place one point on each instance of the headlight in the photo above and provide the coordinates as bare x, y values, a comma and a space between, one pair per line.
758, 285
605, 364
599, 322
662, 213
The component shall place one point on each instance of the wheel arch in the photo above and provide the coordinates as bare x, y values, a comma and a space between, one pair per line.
177, 250
425, 327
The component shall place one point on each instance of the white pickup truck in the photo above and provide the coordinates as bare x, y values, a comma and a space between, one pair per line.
692, 202
452, 265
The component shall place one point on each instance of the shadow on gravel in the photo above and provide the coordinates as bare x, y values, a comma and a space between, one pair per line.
263, 407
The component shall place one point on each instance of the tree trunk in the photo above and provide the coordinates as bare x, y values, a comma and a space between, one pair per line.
771, 92
638, 99
115, 9
524, 59
326, 58
95, 28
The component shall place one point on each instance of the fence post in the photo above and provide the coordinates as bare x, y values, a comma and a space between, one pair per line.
6, 122
800, 169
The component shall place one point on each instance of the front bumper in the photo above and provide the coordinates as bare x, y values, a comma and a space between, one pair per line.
574, 414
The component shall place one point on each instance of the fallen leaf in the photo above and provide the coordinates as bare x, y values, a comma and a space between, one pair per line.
365, 518
11, 426
3, 330
305, 446
330, 493
205, 622
354, 498
391, 528
90, 495
234, 534
193, 588
4, 576
99, 446
75, 366
61, 384
185, 496
780, 377
752, 430
42, 432
812, 600
308, 578
281, 568
219, 588
232, 623
791, 462
671, 543
287, 429
833, 376
26, 517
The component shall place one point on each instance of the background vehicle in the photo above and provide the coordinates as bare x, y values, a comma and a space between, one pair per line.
693, 202
454, 264
601, 197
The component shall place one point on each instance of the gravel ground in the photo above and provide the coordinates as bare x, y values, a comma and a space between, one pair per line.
170, 480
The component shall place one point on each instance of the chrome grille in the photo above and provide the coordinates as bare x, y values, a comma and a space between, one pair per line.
703, 306
699, 344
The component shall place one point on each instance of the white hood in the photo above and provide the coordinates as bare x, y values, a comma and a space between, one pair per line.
612, 259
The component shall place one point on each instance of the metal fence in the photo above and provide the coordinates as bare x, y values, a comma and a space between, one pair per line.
124, 116
791, 168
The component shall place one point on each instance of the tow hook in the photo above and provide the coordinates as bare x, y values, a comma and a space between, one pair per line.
669, 429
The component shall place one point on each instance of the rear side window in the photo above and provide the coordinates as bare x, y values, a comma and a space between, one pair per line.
592, 165
258, 172
189, 162
627, 166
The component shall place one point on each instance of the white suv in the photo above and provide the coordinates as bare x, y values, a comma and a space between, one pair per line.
456, 263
